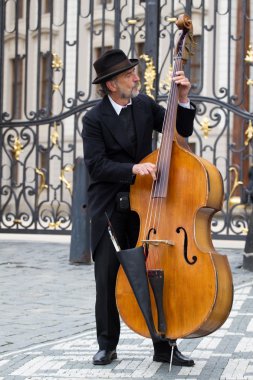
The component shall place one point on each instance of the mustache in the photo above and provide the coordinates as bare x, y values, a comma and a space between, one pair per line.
137, 85
136, 90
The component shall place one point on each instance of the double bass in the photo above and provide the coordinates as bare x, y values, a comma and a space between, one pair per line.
189, 284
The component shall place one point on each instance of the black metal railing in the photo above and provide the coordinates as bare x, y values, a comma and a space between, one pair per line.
46, 57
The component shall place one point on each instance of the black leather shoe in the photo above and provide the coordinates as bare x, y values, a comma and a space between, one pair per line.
178, 358
104, 357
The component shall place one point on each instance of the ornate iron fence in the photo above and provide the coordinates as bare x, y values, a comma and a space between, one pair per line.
46, 54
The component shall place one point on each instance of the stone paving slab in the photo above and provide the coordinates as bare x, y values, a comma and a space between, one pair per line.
42, 296
48, 331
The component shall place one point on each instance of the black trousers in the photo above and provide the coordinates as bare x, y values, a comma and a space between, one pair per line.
126, 228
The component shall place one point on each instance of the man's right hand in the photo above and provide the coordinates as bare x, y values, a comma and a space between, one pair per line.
145, 169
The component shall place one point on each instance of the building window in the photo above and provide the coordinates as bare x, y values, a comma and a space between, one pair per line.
104, 2
192, 146
45, 86
98, 53
44, 159
195, 63
19, 8
17, 86
46, 6
14, 169
139, 47
43, 168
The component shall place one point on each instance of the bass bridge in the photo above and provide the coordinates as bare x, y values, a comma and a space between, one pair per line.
157, 242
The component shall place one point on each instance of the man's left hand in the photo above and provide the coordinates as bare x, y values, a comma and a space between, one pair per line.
184, 86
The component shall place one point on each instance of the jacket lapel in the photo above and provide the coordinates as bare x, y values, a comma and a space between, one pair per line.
111, 120
139, 122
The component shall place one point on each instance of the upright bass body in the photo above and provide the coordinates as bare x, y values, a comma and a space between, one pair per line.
198, 289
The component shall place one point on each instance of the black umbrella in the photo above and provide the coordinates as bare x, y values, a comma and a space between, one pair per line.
133, 263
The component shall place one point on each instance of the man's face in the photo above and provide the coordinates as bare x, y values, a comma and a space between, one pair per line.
127, 84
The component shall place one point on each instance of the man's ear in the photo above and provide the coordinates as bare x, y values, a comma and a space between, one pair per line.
111, 85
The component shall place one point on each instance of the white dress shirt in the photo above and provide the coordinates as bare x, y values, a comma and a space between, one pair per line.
118, 107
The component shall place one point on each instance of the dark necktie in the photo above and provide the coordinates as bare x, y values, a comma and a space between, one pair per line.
127, 121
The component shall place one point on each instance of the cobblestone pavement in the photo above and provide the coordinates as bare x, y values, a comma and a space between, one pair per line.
47, 329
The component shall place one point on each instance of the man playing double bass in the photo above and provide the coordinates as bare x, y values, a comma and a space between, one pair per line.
117, 135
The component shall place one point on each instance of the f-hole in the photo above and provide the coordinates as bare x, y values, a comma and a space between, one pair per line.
194, 258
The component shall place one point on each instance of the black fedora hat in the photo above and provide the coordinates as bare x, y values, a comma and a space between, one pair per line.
111, 63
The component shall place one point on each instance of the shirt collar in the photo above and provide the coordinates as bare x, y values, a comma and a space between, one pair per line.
117, 106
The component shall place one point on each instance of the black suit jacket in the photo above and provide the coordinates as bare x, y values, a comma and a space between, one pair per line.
107, 152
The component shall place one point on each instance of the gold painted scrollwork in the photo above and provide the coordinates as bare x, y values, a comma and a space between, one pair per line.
132, 21
54, 135
249, 55
170, 19
205, 127
17, 148
149, 75
67, 168
245, 230
166, 83
249, 133
56, 87
57, 65
43, 184
54, 225
249, 59
56, 62
232, 200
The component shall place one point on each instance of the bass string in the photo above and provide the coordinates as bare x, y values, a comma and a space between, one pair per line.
167, 141
155, 205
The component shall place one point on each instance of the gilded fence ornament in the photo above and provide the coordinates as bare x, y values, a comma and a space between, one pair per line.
54, 135
232, 200
43, 184
57, 65
166, 83
205, 127
170, 19
249, 133
56, 87
245, 230
149, 75
56, 62
132, 21
17, 148
54, 225
249, 55
67, 168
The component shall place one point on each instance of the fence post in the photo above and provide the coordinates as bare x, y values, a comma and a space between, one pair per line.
152, 22
80, 252
2, 5
151, 47
248, 249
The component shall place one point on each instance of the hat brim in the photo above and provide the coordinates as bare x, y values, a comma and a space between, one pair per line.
105, 78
